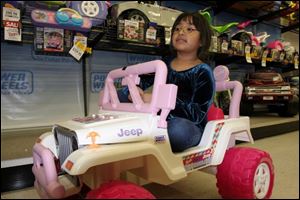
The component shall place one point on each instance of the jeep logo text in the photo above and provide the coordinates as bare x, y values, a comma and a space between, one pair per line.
124, 132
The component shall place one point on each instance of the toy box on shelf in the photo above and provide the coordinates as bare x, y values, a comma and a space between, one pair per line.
135, 31
52, 39
256, 52
131, 30
65, 18
237, 47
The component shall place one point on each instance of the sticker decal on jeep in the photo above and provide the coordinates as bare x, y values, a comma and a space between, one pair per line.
199, 159
159, 139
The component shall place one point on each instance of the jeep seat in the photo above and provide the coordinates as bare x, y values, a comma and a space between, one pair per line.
214, 113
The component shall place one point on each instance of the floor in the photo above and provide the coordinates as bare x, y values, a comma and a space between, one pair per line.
284, 150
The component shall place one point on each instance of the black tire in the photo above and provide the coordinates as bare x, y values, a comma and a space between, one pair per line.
134, 15
246, 108
273, 108
289, 109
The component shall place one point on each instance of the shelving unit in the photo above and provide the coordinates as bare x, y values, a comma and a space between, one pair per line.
104, 38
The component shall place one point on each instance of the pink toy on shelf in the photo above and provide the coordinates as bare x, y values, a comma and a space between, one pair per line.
276, 44
244, 24
260, 38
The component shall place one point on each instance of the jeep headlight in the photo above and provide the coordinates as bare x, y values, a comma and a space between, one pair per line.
249, 89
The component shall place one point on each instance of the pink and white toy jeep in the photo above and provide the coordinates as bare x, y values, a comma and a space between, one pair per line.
132, 137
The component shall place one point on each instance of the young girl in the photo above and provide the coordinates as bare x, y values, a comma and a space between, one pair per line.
190, 41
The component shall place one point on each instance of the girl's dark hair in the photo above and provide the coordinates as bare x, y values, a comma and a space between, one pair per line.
202, 26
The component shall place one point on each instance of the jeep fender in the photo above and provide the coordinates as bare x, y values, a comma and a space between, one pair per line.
217, 135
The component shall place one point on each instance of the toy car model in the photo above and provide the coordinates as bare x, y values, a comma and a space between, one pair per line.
269, 88
145, 12
133, 137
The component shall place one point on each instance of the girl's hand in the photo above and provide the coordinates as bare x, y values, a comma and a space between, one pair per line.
146, 97
140, 91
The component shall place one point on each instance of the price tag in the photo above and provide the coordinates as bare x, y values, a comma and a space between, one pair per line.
12, 25
11, 14
77, 50
81, 39
281, 57
248, 54
224, 46
296, 62
264, 59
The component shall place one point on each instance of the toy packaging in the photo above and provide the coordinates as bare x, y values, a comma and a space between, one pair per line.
120, 31
131, 30
214, 44
151, 33
44, 40
53, 39
237, 47
65, 18
256, 52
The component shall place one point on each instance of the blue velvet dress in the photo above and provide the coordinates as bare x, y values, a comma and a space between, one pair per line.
196, 88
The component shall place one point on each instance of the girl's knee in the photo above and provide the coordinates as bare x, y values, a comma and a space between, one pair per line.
183, 134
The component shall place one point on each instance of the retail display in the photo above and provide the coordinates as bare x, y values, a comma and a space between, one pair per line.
94, 149
63, 18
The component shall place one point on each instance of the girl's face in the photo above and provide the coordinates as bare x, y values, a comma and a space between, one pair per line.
186, 38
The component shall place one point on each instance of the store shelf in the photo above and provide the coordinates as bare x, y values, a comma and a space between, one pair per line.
104, 37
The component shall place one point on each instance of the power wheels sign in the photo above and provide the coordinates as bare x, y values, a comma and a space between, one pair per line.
16, 82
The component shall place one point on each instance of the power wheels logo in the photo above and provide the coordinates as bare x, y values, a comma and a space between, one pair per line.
98, 81
16, 82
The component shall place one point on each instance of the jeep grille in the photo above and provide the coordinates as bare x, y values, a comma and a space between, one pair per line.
66, 142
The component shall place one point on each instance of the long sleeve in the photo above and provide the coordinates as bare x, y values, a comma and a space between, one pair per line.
196, 88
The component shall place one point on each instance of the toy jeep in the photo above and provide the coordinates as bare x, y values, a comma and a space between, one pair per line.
133, 137
269, 88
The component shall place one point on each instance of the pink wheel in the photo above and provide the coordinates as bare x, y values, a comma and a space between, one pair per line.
245, 173
119, 190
